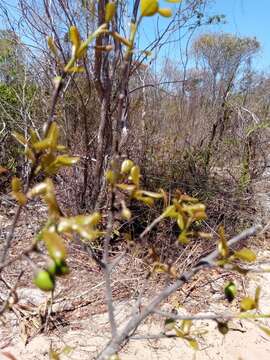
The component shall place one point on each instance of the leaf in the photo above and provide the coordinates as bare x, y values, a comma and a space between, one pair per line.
30, 154
247, 304
265, 329
145, 199
110, 11
52, 46
126, 166
75, 69
257, 296
245, 254
39, 189
151, 194
19, 137
111, 177
17, 193
126, 187
222, 243
183, 238
171, 212
165, 12
149, 7
75, 38
169, 324
180, 222
135, 175
55, 245
66, 160
160, 268
186, 326
193, 343
121, 39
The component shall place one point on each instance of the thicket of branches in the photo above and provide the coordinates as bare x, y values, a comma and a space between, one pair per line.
78, 77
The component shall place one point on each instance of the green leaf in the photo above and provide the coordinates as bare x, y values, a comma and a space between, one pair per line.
245, 254
169, 324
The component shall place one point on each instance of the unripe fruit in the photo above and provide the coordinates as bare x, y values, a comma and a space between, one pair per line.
230, 291
58, 268
44, 280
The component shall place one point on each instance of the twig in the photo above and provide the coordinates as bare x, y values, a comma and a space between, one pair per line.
115, 343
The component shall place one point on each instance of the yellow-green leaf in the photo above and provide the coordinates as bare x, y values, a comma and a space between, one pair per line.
66, 160
55, 245
122, 39
151, 194
186, 326
74, 37
265, 329
135, 175
17, 193
165, 12
126, 166
247, 304
245, 254
192, 343
20, 138
222, 243
110, 11
75, 69
149, 7
52, 46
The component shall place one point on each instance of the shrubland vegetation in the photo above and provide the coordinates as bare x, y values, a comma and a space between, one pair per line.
148, 138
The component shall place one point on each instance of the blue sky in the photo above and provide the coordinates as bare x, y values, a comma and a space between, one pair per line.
248, 18
243, 17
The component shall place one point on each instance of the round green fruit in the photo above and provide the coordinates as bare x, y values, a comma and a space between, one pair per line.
230, 291
44, 280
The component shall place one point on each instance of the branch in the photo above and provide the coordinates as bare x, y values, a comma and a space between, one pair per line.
114, 345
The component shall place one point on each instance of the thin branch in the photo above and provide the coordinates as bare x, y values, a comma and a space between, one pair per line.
115, 343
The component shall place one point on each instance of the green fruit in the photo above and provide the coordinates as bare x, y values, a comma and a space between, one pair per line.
62, 268
58, 268
230, 291
44, 280
223, 328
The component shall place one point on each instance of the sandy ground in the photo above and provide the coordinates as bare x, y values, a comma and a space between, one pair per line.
245, 340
